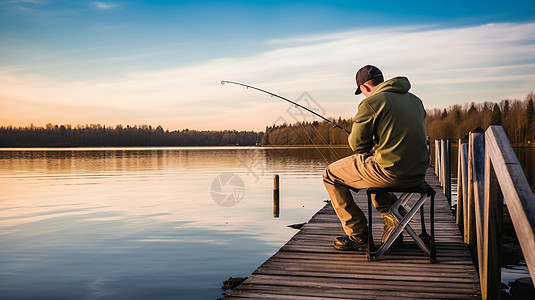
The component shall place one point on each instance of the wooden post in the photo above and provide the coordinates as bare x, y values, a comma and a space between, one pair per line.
464, 175
437, 159
470, 230
441, 171
443, 163
515, 189
490, 262
446, 157
478, 169
459, 212
276, 209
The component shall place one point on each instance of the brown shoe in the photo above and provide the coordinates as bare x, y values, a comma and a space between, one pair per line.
351, 243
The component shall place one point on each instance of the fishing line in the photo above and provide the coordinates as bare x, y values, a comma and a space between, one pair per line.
317, 148
286, 99
331, 149
333, 152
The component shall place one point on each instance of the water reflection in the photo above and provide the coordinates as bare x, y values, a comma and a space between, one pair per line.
127, 223
141, 223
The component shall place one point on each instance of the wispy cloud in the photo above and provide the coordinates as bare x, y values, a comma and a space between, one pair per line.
446, 66
104, 6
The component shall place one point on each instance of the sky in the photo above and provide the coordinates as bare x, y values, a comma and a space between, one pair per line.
161, 62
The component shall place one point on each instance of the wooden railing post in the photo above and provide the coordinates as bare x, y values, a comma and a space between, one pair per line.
465, 181
461, 180
490, 256
516, 191
459, 211
441, 176
438, 161
446, 169
478, 169
470, 228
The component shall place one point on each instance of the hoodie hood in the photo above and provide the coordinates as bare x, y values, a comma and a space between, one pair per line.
400, 85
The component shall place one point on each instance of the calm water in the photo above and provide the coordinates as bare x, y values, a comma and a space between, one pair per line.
149, 223
146, 223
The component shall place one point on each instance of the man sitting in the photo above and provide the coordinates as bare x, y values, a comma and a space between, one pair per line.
390, 141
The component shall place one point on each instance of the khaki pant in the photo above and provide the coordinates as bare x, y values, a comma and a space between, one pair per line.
359, 172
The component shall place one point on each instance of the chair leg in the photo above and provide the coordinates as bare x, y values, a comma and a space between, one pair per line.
371, 247
424, 235
404, 225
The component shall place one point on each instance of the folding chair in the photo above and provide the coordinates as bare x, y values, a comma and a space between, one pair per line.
425, 241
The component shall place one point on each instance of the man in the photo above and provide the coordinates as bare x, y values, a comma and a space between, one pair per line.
390, 141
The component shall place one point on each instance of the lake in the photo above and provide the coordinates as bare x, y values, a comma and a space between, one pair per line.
148, 223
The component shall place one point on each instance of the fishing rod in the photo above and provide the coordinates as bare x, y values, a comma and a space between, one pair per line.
278, 96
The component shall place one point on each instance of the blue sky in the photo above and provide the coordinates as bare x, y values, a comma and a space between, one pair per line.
160, 62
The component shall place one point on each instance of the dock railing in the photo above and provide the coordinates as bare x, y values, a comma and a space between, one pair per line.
489, 173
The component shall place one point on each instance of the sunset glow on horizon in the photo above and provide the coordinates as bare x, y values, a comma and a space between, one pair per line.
161, 62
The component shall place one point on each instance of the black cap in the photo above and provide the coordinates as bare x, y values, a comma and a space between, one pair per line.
366, 73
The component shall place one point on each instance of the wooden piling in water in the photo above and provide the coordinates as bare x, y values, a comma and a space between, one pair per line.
276, 199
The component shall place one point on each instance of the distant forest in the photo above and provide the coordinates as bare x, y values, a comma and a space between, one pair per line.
307, 133
516, 117
454, 122
98, 135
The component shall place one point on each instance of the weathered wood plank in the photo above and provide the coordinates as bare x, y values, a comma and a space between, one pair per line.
344, 283
338, 293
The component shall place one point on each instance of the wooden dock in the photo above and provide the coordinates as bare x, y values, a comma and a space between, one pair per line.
308, 267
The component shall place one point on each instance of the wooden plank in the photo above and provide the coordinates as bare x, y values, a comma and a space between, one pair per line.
308, 267
516, 191
352, 293
344, 283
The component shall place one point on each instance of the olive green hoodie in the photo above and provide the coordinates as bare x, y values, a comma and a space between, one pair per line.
392, 121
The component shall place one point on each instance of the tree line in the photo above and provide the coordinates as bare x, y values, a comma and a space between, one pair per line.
307, 133
516, 116
101, 135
